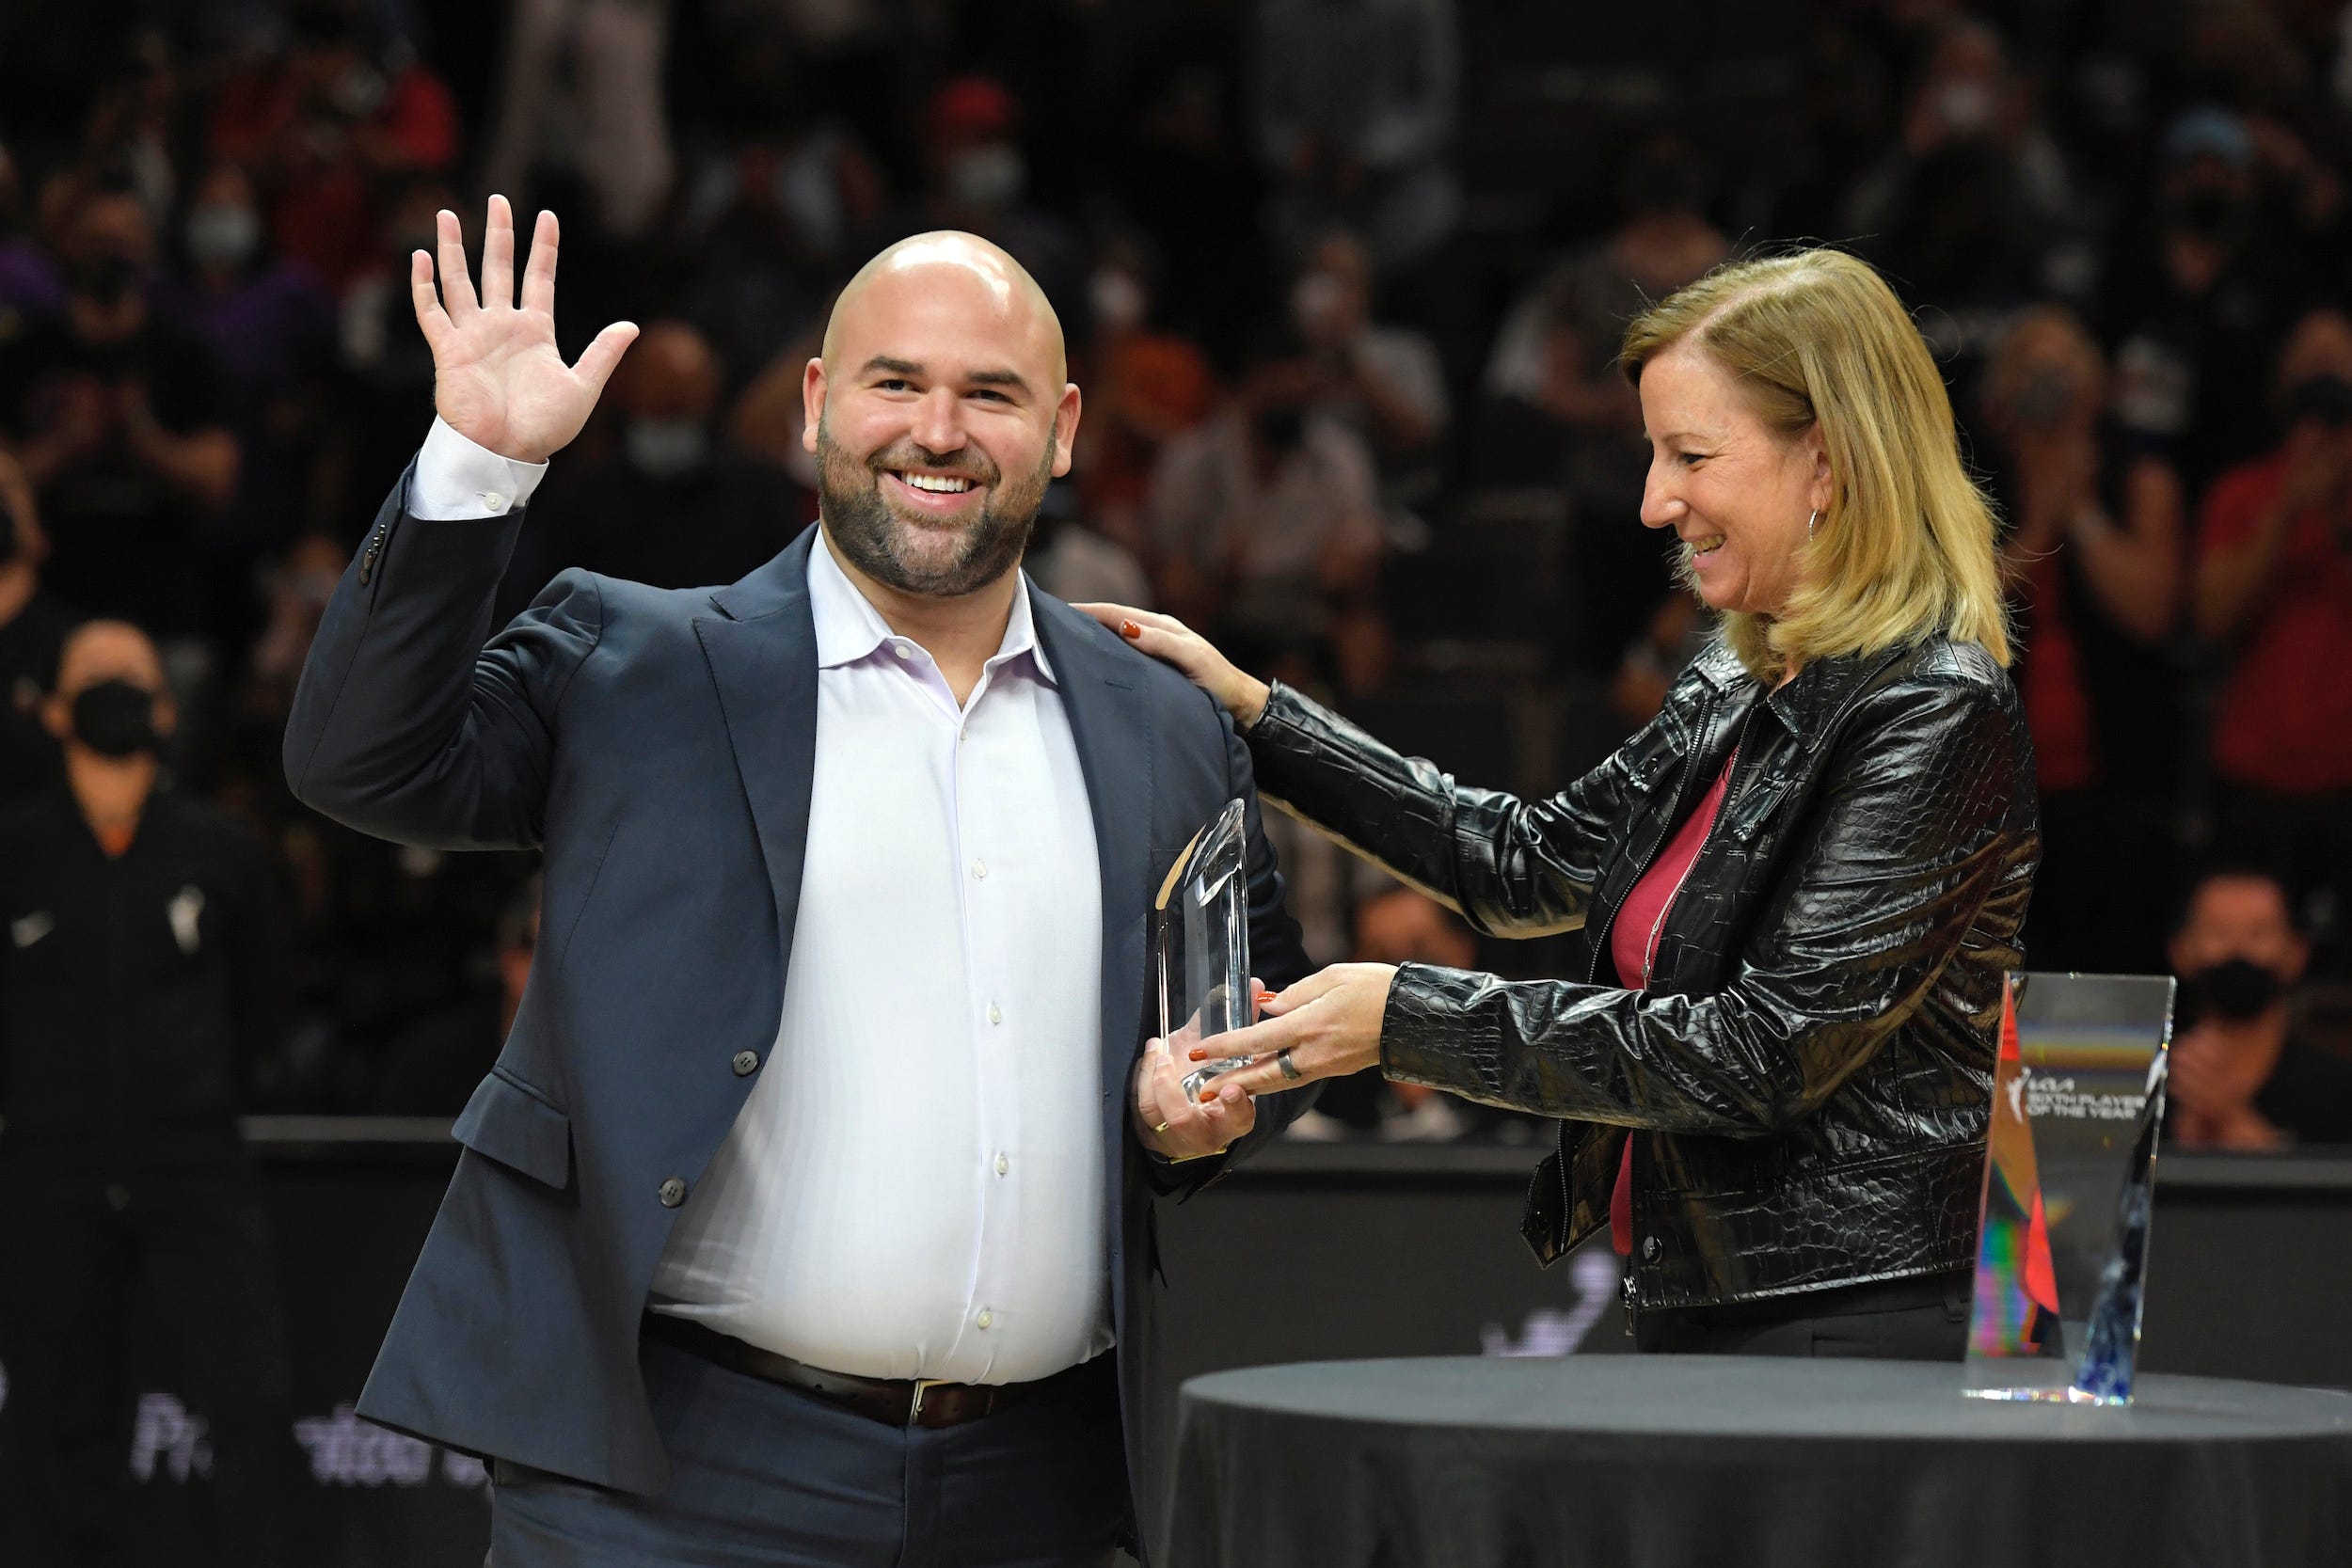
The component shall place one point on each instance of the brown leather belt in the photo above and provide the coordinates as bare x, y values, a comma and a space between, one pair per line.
893, 1402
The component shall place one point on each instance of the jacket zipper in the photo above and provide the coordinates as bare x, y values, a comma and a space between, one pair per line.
1599, 933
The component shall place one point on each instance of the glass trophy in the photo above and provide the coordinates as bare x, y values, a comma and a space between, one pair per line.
2062, 1244
1202, 918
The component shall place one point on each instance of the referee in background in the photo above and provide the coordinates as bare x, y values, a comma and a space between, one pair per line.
141, 961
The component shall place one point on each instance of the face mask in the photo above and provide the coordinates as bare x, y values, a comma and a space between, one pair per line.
2208, 212
223, 238
2324, 399
987, 177
106, 282
2046, 399
1965, 107
2238, 989
1117, 300
115, 719
1282, 427
663, 449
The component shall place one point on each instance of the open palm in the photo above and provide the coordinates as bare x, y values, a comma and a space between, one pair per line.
498, 379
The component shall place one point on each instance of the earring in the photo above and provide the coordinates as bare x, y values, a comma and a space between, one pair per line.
1811, 518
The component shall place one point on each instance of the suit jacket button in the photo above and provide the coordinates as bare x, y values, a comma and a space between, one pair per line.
746, 1063
1651, 1248
673, 1193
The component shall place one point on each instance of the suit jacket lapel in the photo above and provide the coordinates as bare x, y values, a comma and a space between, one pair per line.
762, 652
1112, 726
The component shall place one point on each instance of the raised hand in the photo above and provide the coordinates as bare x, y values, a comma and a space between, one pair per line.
498, 379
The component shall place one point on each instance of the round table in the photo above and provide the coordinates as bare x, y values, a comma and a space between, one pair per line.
1733, 1462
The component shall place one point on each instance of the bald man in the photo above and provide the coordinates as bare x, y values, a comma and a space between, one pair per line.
805, 1217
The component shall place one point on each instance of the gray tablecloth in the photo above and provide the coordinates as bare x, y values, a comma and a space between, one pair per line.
1725, 1461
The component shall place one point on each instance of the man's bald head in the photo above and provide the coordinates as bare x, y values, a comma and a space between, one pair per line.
949, 261
939, 411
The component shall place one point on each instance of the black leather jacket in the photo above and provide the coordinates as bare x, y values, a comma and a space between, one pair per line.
1812, 1063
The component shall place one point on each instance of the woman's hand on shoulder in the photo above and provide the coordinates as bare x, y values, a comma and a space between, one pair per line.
1166, 638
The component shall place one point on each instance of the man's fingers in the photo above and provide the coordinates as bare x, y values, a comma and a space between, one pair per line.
539, 272
598, 359
498, 256
431, 318
456, 283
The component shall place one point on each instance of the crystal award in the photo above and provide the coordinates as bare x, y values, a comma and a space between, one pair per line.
2062, 1243
1202, 918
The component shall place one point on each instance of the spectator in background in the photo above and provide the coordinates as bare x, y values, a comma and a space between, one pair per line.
581, 101
1973, 205
2199, 306
432, 1068
272, 328
2273, 587
1076, 563
29, 285
1397, 925
328, 125
1558, 416
977, 178
1385, 383
120, 420
2095, 558
33, 629
673, 506
387, 380
141, 981
1264, 522
1145, 386
1354, 107
2240, 1079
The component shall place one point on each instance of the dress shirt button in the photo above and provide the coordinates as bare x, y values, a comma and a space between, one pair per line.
979, 869
901, 650
985, 1318
996, 1013
1003, 1165
746, 1063
117, 1197
673, 1193
496, 502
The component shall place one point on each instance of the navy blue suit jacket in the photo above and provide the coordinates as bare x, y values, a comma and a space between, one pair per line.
657, 745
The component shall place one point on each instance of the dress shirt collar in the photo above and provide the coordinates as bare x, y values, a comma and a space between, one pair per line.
849, 628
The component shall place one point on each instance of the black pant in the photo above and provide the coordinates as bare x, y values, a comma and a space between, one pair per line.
1924, 1318
772, 1477
86, 1267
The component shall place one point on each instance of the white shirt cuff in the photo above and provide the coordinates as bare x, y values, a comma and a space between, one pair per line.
456, 479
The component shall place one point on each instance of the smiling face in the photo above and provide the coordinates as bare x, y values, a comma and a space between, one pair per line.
1734, 491
938, 413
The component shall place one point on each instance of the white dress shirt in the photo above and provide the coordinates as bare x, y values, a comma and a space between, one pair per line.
916, 1186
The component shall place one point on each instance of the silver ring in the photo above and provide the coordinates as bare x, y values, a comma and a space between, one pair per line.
1290, 1069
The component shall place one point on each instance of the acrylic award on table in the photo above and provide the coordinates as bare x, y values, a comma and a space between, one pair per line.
1202, 940
2062, 1248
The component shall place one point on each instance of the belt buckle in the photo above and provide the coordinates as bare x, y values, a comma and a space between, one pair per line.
923, 1385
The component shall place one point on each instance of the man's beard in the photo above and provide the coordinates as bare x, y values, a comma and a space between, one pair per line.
941, 561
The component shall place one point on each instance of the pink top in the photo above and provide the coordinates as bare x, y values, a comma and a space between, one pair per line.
1633, 947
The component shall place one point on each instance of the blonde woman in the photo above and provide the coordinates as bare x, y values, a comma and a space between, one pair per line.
1798, 886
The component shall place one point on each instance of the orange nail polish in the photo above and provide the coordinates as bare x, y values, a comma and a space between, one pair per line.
1129, 630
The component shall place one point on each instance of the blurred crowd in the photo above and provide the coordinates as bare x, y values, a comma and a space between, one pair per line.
1342, 281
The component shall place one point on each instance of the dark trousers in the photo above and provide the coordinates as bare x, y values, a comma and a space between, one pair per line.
1909, 1319
769, 1476
187, 1259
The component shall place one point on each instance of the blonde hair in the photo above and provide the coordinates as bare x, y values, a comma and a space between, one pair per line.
1905, 549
